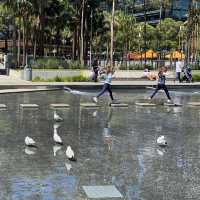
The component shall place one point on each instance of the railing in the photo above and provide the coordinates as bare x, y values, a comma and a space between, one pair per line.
50, 47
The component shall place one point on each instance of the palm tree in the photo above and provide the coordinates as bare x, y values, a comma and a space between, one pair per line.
192, 30
126, 26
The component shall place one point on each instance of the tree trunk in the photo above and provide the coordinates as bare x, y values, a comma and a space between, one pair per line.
189, 24
86, 39
107, 53
19, 48
41, 28
78, 43
15, 44
24, 44
112, 34
126, 52
58, 43
41, 37
74, 45
145, 33
82, 33
35, 47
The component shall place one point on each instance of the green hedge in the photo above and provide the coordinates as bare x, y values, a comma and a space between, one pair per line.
80, 78
195, 66
196, 77
53, 63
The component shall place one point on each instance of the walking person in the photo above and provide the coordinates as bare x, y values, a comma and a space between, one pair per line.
179, 66
161, 83
95, 70
107, 85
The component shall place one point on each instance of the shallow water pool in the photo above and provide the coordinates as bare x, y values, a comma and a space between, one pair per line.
113, 146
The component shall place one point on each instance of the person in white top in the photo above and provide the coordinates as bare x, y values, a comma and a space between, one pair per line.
179, 66
107, 85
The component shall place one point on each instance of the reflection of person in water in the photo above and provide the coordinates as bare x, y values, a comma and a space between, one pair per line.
107, 136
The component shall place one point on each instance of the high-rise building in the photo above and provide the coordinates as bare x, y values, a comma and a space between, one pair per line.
155, 9
179, 9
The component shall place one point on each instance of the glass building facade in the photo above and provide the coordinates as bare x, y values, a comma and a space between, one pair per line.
176, 9
179, 9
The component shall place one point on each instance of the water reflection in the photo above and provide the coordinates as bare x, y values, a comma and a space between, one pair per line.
56, 148
50, 188
107, 136
30, 150
68, 167
161, 151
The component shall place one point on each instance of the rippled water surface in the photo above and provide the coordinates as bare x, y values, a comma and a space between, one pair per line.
113, 146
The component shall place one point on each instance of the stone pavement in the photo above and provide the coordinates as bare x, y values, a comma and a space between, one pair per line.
8, 80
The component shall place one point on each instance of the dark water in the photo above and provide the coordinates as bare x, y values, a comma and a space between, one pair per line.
128, 157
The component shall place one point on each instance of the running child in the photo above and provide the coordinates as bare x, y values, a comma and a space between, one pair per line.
161, 83
107, 85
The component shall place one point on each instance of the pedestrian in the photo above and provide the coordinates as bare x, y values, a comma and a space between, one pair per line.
161, 83
179, 66
107, 85
187, 73
95, 69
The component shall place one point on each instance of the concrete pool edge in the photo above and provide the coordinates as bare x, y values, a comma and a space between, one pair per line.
28, 89
36, 87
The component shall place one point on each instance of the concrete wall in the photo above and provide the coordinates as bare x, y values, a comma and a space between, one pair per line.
46, 74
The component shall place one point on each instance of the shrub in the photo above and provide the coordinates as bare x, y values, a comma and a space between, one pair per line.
74, 64
39, 64
195, 66
54, 63
196, 77
58, 79
38, 79
80, 78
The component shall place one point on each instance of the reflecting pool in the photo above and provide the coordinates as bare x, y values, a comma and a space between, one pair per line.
113, 146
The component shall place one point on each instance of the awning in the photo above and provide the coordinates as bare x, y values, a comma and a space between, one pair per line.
175, 55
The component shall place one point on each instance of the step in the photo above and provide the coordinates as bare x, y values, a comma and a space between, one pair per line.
29, 106
145, 104
119, 105
59, 105
173, 104
89, 105
194, 103
3, 106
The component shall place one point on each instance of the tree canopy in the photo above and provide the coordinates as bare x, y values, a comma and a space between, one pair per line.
66, 27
